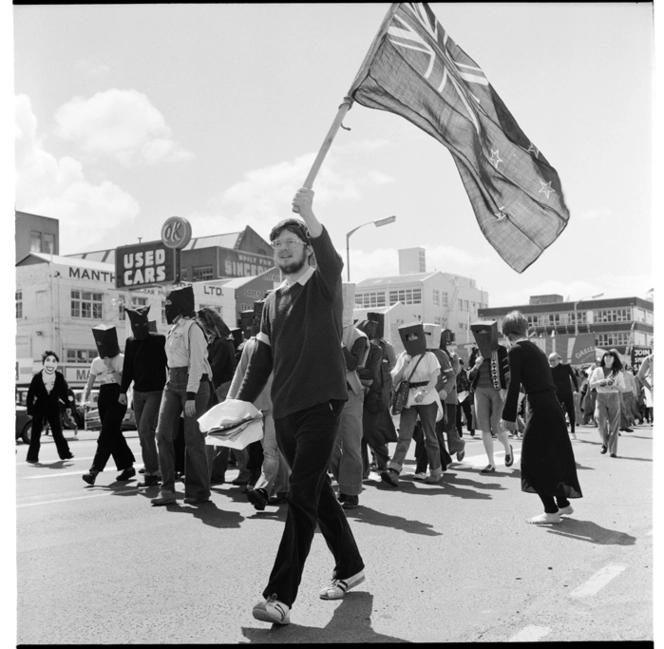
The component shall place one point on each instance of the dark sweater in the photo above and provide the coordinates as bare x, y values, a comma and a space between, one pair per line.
221, 356
39, 401
300, 339
562, 373
528, 366
144, 364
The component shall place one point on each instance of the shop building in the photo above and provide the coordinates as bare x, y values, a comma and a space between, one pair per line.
60, 298
450, 300
625, 323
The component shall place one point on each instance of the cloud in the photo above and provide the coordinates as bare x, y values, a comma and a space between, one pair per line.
119, 123
264, 195
57, 187
90, 67
596, 213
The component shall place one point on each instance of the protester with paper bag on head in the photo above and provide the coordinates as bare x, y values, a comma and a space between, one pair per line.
145, 366
187, 390
111, 442
419, 368
489, 377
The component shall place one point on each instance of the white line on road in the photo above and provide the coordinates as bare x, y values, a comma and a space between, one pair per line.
60, 474
600, 579
530, 634
63, 500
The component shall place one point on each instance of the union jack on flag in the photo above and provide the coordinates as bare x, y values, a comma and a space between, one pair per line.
417, 71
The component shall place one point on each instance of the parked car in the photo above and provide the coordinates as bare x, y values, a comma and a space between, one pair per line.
23, 424
92, 421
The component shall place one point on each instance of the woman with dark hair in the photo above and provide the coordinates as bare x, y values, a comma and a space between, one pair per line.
609, 382
47, 390
221, 356
221, 352
548, 467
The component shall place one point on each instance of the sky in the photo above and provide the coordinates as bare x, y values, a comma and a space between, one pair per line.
127, 115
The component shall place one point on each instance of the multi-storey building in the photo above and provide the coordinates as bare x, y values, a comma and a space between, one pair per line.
441, 298
625, 323
60, 298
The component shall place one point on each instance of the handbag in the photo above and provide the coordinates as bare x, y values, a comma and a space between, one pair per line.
400, 396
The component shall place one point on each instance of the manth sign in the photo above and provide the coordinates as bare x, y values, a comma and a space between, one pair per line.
144, 264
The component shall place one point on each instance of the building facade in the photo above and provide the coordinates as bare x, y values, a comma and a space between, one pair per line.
441, 298
626, 324
60, 298
36, 233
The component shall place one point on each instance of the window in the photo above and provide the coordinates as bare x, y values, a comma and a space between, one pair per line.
183, 274
363, 300
85, 304
163, 314
554, 319
138, 302
19, 304
48, 243
436, 297
444, 298
35, 241
201, 273
80, 355
612, 339
614, 315
406, 296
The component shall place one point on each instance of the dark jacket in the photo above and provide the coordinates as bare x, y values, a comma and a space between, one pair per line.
221, 356
39, 401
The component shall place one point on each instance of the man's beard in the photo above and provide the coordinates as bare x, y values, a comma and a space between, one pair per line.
291, 265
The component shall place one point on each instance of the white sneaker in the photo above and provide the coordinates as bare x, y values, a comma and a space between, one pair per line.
339, 587
272, 610
420, 476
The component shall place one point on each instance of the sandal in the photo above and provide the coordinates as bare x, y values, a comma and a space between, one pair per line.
509, 458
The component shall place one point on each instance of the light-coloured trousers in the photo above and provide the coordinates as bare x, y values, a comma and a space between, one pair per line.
274, 470
346, 461
608, 415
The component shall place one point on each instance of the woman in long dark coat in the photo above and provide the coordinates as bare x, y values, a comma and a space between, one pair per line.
47, 392
548, 467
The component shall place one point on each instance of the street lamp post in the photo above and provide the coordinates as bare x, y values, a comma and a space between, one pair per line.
378, 223
576, 316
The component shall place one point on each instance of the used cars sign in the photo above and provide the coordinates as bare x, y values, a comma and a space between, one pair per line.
144, 264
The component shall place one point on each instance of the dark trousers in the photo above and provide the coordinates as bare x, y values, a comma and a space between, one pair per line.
567, 402
465, 406
53, 418
421, 455
374, 427
551, 504
111, 441
306, 439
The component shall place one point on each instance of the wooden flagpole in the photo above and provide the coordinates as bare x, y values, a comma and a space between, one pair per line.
347, 102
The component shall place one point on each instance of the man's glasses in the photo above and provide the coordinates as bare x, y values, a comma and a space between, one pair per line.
286, 243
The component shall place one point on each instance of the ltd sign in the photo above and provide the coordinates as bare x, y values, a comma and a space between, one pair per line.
144, 264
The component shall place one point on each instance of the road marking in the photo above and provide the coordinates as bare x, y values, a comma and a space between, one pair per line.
531, 634
480, 460
60, 474
63, 500
600, 579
